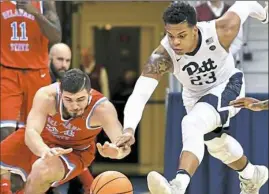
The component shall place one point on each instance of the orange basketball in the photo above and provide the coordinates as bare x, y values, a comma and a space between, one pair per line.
111, 182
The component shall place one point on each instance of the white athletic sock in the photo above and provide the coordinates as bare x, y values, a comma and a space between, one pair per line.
184, 180
247, 172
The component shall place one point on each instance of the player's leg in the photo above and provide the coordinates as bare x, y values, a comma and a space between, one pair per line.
10, 99
74, 164
43, 173
86, 179
202, 119
228, 150
10, 104
194, 125
14, 157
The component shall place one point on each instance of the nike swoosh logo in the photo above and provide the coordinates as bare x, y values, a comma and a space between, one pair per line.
43, 75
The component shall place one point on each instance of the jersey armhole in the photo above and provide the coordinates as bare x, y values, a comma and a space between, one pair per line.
101, 100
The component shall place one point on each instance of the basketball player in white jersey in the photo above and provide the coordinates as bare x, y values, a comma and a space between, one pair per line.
198, 55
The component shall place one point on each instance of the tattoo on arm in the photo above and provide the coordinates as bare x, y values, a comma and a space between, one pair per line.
158, 64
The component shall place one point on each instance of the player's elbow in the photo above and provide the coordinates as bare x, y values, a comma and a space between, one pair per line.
56, 38
229, 23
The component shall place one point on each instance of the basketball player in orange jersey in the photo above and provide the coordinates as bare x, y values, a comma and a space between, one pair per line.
59, 140
60, 61
27, 27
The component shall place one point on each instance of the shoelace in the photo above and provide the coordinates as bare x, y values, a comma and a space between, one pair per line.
175, 186
247, 186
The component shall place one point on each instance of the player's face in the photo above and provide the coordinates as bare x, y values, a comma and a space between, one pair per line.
75, 104
61, 62
182, 37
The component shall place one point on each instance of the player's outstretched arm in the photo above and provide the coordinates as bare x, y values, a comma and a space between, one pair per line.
250, 103
228, 25
36, 122
108, 119
157, 65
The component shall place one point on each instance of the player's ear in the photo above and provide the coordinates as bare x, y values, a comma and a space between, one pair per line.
195, 29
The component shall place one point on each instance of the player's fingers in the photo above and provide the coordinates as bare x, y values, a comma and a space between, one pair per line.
106, 144
240, 100
47, 155
100, 149
66, 151
123, 141
239, 105
54, 152
254, 106
99, 146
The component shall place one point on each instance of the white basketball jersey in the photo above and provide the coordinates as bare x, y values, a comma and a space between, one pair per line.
210, 66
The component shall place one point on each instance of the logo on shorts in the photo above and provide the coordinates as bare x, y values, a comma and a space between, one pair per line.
43, 75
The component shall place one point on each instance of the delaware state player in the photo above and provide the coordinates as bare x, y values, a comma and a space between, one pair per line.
59, 140
198, 55
26, 29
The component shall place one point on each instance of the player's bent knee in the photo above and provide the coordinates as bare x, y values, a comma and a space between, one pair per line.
192, 137
226, 148
49, 170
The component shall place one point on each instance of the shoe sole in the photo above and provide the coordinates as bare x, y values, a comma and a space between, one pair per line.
155, 182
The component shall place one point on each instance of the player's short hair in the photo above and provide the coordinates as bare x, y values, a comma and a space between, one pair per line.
75, 81
179, 12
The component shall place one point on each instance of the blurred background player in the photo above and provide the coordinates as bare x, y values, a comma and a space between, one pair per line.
97, 72
27, 27
59, 61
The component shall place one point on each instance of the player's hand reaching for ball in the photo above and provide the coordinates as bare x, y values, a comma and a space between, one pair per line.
126, 139
110, 150
55, 152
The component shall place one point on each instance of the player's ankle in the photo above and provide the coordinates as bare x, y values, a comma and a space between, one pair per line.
184, 177
247, 172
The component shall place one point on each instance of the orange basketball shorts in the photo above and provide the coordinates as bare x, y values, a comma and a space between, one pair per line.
16, 157
18, 88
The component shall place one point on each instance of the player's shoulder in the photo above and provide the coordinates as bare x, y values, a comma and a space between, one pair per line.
160, 53
103, 108
47, 93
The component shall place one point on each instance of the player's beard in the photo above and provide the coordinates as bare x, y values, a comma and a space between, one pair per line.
68, 115
57, 73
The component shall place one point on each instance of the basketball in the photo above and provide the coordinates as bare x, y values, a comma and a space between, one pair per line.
111, 182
